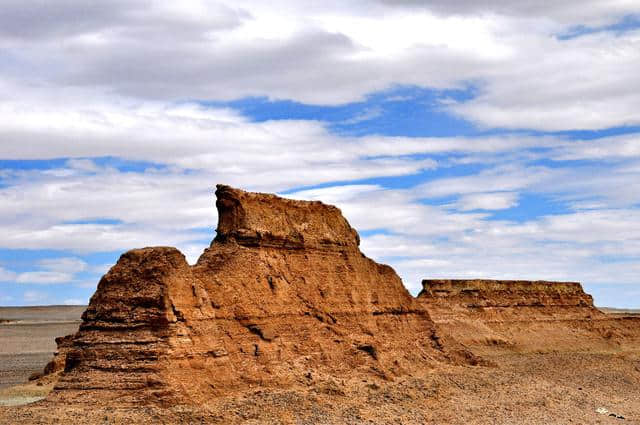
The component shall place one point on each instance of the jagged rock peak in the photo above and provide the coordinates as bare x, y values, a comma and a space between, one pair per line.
260, 219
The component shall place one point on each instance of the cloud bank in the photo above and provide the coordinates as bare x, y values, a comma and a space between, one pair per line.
117, 118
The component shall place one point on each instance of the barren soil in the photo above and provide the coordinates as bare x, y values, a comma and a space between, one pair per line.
523, 388
549, 388
27, 338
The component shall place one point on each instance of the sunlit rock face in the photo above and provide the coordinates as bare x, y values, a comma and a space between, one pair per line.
542, 296
283, 296
490, 315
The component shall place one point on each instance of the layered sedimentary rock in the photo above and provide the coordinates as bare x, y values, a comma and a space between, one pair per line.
522, 315
283, 296
519, 298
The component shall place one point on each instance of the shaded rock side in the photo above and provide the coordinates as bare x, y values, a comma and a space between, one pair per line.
123, 346
64, 345
491, 315
282, 297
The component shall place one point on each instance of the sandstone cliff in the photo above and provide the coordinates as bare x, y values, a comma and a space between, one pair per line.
518, 298
282, 297
489, 315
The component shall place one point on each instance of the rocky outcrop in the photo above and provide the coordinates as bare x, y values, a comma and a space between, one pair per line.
521, 315
282, 297
504, 297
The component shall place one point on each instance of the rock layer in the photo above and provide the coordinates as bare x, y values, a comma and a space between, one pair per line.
535, 299
282, 297
522, 315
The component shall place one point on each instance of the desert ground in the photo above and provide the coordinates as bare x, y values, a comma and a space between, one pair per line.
27, 343
544, 387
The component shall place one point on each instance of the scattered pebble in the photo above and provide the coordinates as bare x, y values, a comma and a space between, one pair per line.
604, 411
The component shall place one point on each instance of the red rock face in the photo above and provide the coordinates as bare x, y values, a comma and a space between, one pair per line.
282, 297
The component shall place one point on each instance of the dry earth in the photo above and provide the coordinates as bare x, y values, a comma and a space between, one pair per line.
27, 338
540, 388
544, 387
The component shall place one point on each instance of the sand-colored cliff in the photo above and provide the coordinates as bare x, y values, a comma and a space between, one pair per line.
283, 296
490, 315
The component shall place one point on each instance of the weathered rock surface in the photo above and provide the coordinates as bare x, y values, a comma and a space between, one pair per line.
282, 297
489, 315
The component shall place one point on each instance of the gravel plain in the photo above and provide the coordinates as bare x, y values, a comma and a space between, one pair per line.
27, 338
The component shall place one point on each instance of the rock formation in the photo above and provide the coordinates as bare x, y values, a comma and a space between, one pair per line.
535, 299
282, 297
521, 315
283, 320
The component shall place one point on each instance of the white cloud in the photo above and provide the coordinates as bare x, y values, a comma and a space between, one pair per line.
101, 268
131, 73
488, 201
593, 13
91, 284
6, 275
425, 241
75, 301
329, 54
51, 271
63, 265
607, 148
580, 83
367, 115
172, 206
509, 177
44, 277
369, 207
500, 255
274, 153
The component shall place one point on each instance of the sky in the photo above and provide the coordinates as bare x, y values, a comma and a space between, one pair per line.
462, 139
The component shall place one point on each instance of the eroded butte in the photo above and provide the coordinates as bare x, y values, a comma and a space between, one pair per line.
282, 296
526, 316
283, 320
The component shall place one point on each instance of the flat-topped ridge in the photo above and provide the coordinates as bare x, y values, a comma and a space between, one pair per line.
260, 219
504, 293
491, 316
435, 287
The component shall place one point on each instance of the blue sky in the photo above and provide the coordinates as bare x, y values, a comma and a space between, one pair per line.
462, 139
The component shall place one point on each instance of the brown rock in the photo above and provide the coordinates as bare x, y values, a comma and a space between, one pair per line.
523, 315
282, 293
481, 293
